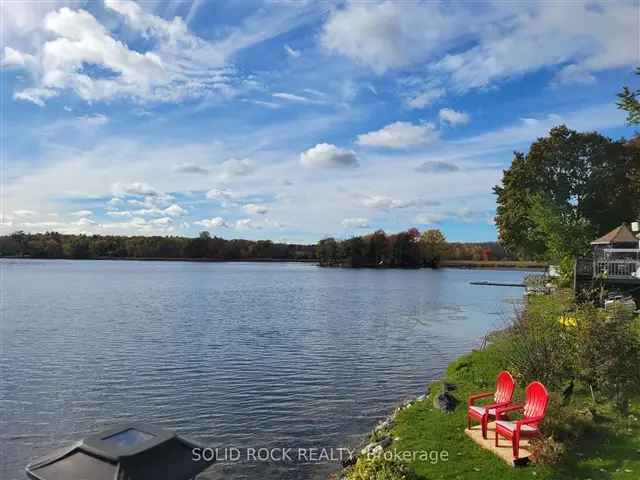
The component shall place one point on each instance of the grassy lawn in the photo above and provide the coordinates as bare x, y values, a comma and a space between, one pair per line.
611, 452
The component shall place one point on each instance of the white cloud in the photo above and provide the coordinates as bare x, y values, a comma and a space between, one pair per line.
453, 117
430, 218
93, 120
135, 188
221, 195
84, 221
24, 213
437, 166
82, 213
262, 103
573, 74
236, 168
425, 98
247, 224
355, 223
496, 42
291, 52
538, 36
294, 98
178, 64
216, 222
326, 155
387, 35
164, 221
400, 135
384, 202
119, 213
254, 209
191, 168
13, 58
174, 210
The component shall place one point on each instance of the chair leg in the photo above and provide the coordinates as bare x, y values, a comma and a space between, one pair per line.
497, 437
468, 422
485, 420
516, 445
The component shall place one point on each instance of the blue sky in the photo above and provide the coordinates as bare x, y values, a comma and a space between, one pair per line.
292, 121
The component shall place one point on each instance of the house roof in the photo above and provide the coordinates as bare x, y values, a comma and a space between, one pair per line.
621, 234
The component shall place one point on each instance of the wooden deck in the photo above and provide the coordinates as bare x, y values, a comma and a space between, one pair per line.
504, 450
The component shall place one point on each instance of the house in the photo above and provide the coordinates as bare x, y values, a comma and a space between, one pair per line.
616, 255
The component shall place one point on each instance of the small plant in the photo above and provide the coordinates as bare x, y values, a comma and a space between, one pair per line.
378, 468
547, 451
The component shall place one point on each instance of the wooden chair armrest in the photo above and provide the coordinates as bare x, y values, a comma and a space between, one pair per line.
509, 408
526, 421
478, 396
496, 405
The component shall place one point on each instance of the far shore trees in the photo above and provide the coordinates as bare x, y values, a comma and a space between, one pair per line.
408, 249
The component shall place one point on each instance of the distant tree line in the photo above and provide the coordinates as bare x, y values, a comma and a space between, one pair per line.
404, 249
57, 245
408, 249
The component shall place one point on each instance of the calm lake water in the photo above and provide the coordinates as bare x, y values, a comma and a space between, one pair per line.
229, 354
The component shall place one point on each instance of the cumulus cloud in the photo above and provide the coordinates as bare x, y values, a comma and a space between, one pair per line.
453, 117
539, 36
491, 44
174, 210
254, 209
437, 166
215, 222
386, 35
384, 202
178, 65
400, 135
326, 155
191, 168
355, 223
222, 195
134, 188
236, 168
425, 98
247, 224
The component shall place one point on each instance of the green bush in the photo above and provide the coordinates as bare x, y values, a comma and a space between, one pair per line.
609, 352
538, 345
378, 468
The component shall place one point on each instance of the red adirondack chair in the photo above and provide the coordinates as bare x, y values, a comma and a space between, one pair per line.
502, 397
534, 408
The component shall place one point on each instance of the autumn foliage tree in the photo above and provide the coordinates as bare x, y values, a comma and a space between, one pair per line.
583, 175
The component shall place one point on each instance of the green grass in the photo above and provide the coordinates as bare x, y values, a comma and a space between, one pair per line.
611, 452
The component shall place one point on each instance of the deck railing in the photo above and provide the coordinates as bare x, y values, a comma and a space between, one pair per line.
625, 269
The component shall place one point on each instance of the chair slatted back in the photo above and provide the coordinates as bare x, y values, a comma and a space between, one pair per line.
537, 399
505, 385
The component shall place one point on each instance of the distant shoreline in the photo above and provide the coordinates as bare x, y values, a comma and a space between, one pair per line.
470, 264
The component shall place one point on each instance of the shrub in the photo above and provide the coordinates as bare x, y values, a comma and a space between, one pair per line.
609, 352
378, 468
540, 343
547, 450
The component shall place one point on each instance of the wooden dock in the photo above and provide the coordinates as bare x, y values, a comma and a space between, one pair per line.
504, 450
498, 284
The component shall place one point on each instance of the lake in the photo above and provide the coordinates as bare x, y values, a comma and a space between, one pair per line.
229, 354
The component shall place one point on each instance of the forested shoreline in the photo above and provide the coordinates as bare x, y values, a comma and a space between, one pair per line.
404, 249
